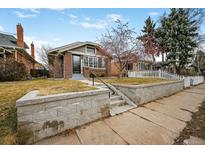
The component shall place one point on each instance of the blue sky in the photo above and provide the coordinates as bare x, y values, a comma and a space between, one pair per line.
58, 27
61, 26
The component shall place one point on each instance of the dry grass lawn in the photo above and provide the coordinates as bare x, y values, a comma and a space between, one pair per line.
11, 91
134, 81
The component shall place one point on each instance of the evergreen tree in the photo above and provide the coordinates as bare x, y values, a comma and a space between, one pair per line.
179, 38
148, 38
161, 37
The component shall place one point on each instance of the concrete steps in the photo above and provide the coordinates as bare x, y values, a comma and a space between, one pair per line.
115, 98
117, 103
77, 77
120, 109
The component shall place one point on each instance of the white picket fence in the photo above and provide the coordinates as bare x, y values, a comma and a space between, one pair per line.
188, 80
155, 74
192, 80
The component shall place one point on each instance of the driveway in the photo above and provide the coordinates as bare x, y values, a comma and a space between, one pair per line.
157, 122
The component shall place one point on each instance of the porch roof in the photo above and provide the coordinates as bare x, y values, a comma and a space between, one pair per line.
72, 46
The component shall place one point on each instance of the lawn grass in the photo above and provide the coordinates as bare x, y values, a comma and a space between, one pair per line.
11, 91
132, 81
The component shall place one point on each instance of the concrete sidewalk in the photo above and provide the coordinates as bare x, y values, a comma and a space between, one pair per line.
158, 122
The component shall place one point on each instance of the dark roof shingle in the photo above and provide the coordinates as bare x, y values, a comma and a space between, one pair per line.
10, 41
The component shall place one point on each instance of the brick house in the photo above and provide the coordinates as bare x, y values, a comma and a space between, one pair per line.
79, 59
12, 47
135, 64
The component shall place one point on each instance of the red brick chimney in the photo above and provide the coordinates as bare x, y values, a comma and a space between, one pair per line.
20, 41
32, 50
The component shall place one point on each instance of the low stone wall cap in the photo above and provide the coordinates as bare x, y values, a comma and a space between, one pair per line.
33, 98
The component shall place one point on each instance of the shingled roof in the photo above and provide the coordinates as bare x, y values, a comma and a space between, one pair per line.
72, 46
10, 41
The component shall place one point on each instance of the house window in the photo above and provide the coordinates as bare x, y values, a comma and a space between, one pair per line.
85, 59
103, 63
129, 66
91, 61
1, 56
90, 50
100, 62
95, 62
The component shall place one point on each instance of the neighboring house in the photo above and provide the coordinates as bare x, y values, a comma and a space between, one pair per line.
38, 66
12, 47
134, 64
79, 59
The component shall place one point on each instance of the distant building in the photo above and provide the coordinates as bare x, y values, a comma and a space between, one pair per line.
135, 64
12, 47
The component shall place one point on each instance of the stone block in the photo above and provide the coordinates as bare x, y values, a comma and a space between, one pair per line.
25, 118
44, 115
49, 115
24, 110
39, 108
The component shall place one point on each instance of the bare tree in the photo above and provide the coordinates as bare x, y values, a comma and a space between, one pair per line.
51, 62
121, 43
43, 55
55, 66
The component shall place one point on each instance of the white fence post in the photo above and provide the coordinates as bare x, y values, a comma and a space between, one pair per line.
160, 75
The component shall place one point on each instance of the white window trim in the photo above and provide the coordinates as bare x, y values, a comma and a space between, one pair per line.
92, 48
93, 62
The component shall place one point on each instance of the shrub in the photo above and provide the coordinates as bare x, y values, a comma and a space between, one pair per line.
39, 73
24, 136
11, 70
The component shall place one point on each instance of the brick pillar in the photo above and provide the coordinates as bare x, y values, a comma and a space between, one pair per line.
32, 51
20, 41
68, 65
108, 66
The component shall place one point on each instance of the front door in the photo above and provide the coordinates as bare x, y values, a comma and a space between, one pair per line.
76, 64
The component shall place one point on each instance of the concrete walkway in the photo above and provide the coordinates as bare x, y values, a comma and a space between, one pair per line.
158, 122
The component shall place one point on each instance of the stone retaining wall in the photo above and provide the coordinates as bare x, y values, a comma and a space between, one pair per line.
43, 116
140, 94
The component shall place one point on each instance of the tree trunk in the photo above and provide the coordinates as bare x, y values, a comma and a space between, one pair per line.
162, 67
153, 58
162, 56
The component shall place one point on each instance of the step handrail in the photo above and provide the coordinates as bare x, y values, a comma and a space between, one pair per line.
94, 75
111, 87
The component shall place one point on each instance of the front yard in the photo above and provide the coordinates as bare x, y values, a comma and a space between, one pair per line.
132, 81
11, 91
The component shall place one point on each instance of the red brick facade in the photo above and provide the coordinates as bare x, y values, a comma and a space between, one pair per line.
68, 65
22, 58
99, 72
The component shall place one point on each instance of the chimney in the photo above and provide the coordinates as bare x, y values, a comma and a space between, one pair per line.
32, 51
20, 41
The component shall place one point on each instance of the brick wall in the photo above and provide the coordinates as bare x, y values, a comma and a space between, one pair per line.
99, 72
114, 69
27, 62
108, 66
22, 59
68, 66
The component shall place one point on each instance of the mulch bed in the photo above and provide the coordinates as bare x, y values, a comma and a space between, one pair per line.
195, 127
